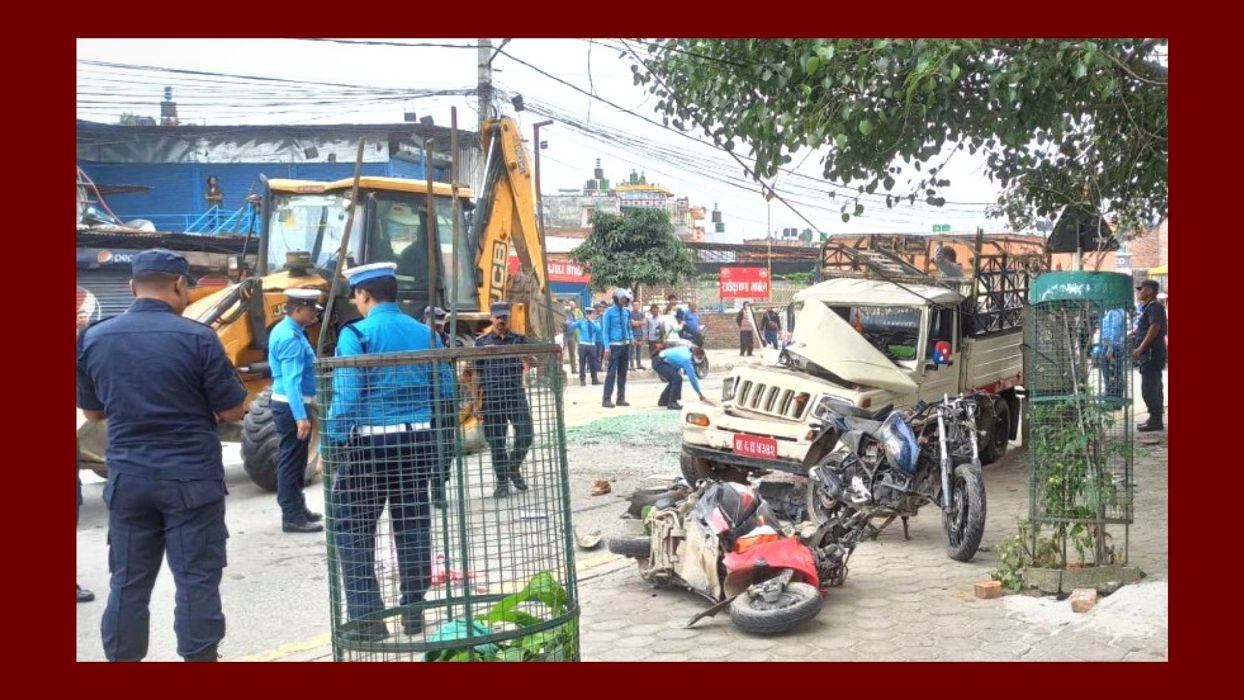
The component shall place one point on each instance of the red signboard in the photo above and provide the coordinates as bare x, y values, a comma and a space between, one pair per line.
753, 446
559, 270
744, 283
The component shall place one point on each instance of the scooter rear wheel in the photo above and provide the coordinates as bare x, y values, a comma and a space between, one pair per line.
631, 547
799, 603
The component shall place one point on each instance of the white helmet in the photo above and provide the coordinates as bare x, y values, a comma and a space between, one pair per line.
622, 293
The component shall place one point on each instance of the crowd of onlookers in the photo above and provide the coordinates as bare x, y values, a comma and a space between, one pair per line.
616, 336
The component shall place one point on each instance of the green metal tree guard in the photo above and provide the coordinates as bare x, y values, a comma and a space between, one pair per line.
483, 577
1080, 416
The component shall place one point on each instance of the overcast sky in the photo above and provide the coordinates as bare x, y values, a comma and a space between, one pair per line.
695, 170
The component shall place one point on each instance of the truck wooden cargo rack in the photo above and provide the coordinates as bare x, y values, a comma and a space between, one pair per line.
994, 283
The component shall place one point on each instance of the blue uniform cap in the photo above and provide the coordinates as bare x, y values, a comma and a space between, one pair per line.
160, 260
500, 308
365, 273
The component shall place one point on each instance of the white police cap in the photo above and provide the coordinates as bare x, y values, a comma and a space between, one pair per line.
363, 273
305, 297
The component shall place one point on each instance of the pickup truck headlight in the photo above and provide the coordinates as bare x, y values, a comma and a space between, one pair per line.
727, 388
820, 410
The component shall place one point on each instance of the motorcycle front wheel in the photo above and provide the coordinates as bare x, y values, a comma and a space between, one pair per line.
964, 523
798, 603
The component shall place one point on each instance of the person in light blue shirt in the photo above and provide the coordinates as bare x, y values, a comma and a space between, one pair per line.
1110, 346
380, 429
293, 396
617, 336
670, 364
587, 332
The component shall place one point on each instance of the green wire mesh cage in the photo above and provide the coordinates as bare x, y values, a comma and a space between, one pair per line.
448, 507
1080, 416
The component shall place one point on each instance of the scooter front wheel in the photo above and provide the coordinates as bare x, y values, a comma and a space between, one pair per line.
797, 603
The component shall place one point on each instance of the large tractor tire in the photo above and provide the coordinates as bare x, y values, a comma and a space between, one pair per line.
261, 445
92, 439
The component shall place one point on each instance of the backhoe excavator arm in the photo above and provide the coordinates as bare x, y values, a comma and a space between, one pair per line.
505, 215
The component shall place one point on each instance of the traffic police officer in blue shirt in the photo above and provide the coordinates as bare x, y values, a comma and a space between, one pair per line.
380, 428
293, 395
587, 332
163, 382
504, 403
669, 364
617, 337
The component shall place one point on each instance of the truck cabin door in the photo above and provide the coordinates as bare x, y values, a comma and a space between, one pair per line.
939, 378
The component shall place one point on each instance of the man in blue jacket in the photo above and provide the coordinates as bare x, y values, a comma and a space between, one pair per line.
617, 336
669, 364
293, 397
380, 422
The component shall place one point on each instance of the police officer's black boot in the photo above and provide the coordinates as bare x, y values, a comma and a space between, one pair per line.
517, 479
208, 654
503, 485
85, 596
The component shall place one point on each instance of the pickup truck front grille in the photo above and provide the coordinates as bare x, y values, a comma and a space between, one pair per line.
771, 400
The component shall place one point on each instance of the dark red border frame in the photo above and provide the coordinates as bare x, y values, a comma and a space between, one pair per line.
39, 619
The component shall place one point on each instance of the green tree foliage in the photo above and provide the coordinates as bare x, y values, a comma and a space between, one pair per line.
636, 248
1059, 121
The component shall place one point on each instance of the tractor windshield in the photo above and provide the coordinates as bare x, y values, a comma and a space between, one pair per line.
399, 235
312, 223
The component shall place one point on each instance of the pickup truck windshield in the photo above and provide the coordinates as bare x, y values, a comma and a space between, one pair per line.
894, 330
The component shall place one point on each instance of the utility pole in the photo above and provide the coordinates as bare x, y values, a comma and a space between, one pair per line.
484, 88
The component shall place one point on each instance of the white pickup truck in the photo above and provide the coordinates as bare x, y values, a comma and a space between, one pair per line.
863, 346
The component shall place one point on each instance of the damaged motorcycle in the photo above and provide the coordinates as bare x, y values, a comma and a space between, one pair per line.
723, 542
889, 466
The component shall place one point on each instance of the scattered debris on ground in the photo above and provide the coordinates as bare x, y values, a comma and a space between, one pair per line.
1136, 610
1083, 599
601, 487
989, 589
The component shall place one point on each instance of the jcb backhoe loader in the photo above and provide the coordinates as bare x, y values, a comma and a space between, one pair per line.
301, 236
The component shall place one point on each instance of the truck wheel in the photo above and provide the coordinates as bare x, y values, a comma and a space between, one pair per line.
696, 468
965, 523
998, 437
260, 442
799, 603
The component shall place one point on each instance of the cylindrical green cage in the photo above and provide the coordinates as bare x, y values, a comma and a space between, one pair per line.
1080, 404
482, 576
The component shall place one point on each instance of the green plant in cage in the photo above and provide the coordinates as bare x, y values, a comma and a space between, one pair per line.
1073, 443
559, 644
1015, 554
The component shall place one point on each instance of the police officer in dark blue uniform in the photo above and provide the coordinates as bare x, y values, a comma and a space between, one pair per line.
84, 596
504, 403
381, 420
292, 360
163, 382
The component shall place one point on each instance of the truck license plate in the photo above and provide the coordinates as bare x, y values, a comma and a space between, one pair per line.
752, 446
